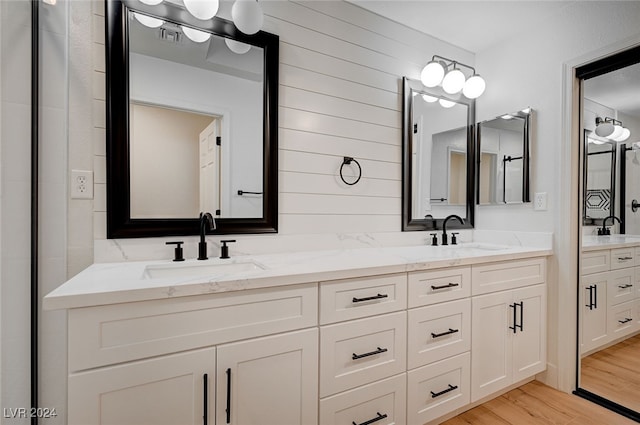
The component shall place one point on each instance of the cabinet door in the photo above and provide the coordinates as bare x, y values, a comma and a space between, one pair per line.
593, 311
530, 342
269, 381
166, 390
491, 367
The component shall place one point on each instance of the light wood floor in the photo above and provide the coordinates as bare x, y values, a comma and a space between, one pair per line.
538, 404
614, 373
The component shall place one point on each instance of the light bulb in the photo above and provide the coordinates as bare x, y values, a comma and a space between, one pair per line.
453, 82
148, 21
446, 103
432, 74
474, 87
604, 129
617, 132
202, 9
429, 99
194, 35
247, 16
624, 135
151, 2
237, 47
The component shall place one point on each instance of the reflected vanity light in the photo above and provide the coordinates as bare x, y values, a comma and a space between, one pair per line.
507, 117
202, 9
194, 35
148, 21
237, 47
53, 2
429, 99
612, 129
446, 103
440, 70
151, 2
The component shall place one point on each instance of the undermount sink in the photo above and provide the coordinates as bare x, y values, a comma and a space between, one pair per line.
205, 268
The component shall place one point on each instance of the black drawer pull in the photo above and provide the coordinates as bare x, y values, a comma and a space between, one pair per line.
205, 409
375, 297
451, 388
448, 285
228, 409
627, 320
370, 421
628, 285
355, 356
625, 258
449, 332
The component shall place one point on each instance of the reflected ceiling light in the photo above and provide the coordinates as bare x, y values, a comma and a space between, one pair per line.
247, 16
446, 103
148, 21
612, 129
441, 70
237, 46
429, 99
151, 2
195, 35
202, 9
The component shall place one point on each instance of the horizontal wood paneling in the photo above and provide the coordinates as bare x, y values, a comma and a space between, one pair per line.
303, 162
324, 184
302, 203
293, 224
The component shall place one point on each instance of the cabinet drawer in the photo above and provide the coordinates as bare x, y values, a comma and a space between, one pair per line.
507, 275
117, 333
383, 400
636, 255
621, 320
436, 286
595, 261
438, 389
621, 286
362, 351
637, 274
622, 257
355, 298
438, 331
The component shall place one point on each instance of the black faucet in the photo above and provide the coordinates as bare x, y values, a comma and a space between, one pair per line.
207, 223
444, 228
604, 230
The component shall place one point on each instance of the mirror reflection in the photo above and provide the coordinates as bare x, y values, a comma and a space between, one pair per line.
609, 293
503, 162
438, 155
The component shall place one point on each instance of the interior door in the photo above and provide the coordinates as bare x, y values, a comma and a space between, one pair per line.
210, 168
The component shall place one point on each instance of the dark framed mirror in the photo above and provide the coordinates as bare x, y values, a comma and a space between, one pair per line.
599, 179
191, 123
438, 157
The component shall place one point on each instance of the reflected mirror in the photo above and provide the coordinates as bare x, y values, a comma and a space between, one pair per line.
438, 152
503, 160
599, 179
191, 123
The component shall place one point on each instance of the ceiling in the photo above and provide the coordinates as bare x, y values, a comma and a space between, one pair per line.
618, 90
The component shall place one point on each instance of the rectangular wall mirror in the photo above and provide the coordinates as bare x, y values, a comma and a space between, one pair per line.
504, 158
191, 123
438, 157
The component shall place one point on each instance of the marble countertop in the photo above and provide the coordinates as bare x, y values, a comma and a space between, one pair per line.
111, 283
594, 243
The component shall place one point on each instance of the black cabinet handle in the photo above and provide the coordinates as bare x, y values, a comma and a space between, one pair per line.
375, 297
449, 285
595, 296
628, 285
625, 258
517, 326
355, 356
627, 320
451, 388
205, 409
521, 304
590, 289
370, 421
514, 327
449, 332
228, 410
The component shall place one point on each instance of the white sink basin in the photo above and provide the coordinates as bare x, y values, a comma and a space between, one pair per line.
205, 268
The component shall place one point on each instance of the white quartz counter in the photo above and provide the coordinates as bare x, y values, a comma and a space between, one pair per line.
111, 283
594, 243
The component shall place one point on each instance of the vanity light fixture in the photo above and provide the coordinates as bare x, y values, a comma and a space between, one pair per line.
195, 35
446, 103
237, 47
429, 99
247, 16
148, 21
151, 2
612, 129
202, 9
447, 72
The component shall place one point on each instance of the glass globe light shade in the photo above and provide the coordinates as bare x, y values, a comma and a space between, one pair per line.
474, 87
604, 129
148, 21
446, 103
617, 132
624, 135
429, 99
432, 74
151, 2
453, 81
247, 16
202, 9
237, 47
194, 35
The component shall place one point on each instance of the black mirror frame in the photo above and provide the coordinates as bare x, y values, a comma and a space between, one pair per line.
410, 223
119, 221
588, 221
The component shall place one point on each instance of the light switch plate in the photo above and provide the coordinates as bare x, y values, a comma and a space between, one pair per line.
540, 201
81, 184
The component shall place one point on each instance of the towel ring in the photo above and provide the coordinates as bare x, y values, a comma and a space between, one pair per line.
347, 161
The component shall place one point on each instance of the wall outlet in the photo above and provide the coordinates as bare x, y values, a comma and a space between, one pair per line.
540, 201
81, 184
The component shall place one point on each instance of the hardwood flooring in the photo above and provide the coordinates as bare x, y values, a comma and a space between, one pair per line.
614, 373
538, 404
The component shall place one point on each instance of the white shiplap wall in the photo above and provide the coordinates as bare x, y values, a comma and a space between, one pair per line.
340, 95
